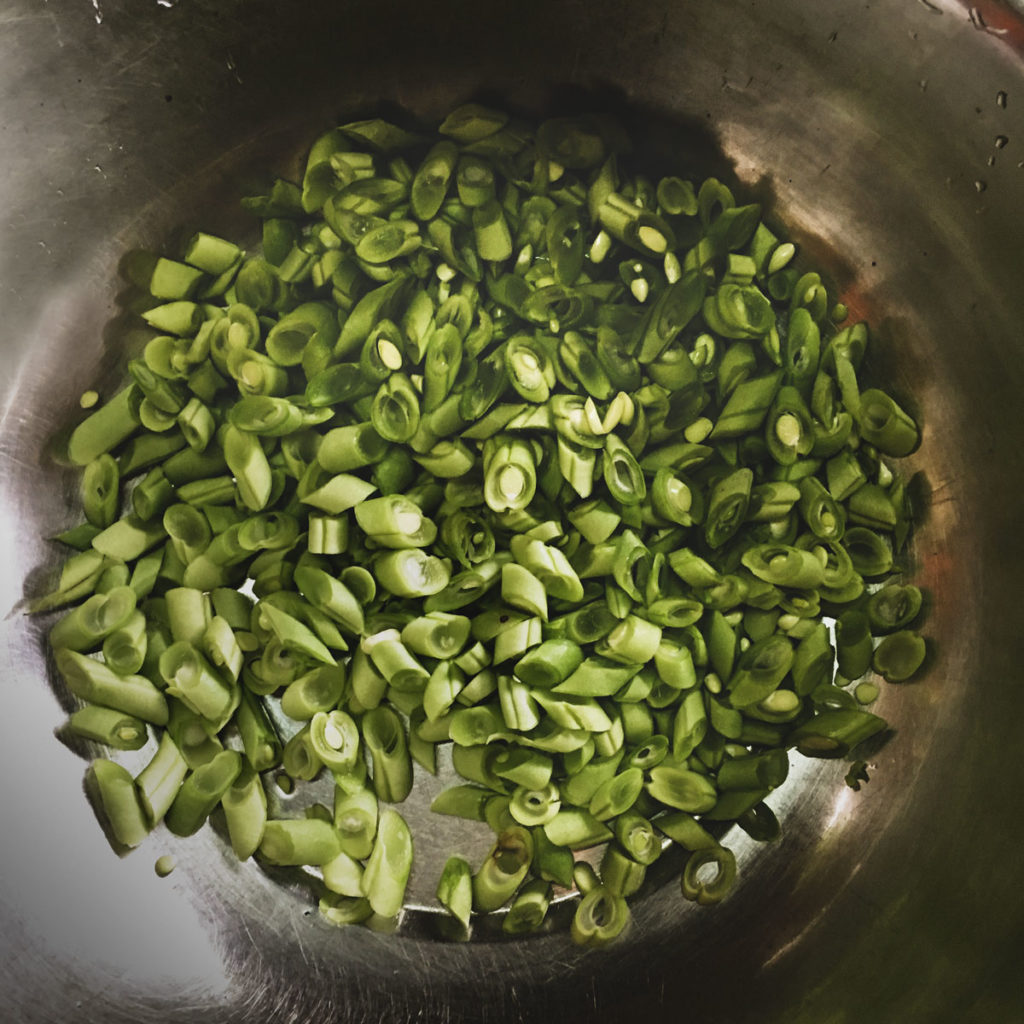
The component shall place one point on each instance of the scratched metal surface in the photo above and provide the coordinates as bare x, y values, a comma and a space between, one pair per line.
870, 130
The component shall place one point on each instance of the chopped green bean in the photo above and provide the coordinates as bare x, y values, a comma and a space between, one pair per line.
389, 864
299, 841
508, 447
111, 728
201, 792
159, 782
245, 813
899, 655
115, 797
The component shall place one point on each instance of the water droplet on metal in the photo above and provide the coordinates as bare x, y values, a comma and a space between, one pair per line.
980, 186
991, 161
1001, 98
1001, 141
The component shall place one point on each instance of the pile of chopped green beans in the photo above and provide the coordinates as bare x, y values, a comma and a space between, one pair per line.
494, 444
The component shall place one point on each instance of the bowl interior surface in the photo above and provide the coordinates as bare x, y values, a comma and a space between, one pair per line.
870, 133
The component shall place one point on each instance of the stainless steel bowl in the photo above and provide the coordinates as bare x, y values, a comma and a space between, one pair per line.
875, 132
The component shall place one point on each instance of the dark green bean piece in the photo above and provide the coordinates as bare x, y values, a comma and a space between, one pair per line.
869, 553
675, 308
871, 506
622, 475
746, 407
430, 183
802, 348
260, 741
812, 661
899, 655
563, 237
760, 669
834, 733
601, 916
756, 771
853, 644
727, 506
893, 607
824, 516
885, 425
340, 382
695, 886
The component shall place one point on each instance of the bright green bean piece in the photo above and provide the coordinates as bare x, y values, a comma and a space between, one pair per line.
111, 728
885, 425
340, 493
412, 573
389, 865
104, 429
681, 788
343, 875
355, 820
115, 798
160, 780
455, 889
94, 682
196, 683
320, 689
201, 792
299, 841
576, 829
391, 765
621, 874
87, 626
124, 649
345, 910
